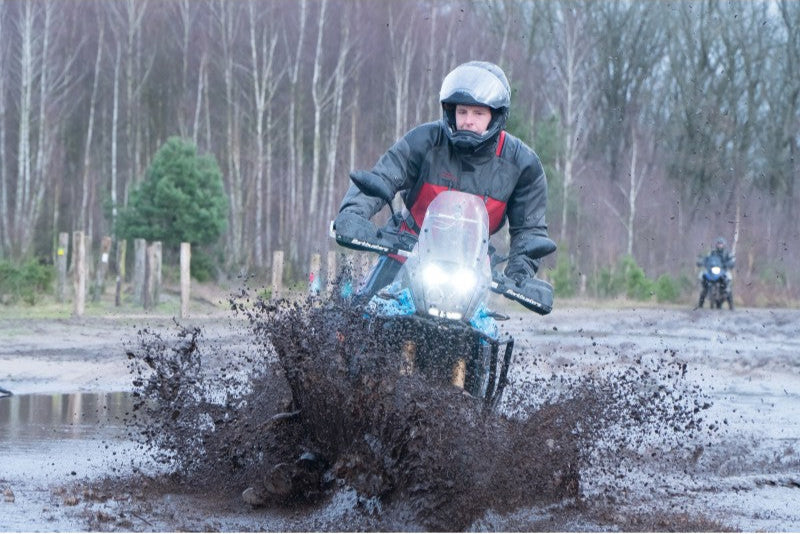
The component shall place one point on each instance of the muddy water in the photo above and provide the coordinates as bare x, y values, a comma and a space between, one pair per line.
745, 473
614, 420
48, 442
330, 411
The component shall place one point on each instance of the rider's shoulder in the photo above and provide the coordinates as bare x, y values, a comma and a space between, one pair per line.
428, 132
516, 150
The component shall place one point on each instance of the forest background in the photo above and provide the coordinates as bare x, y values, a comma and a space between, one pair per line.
662, 125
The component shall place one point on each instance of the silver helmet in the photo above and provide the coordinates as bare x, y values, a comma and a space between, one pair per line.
475, 83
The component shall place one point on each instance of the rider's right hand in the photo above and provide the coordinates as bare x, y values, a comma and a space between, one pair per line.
354, 226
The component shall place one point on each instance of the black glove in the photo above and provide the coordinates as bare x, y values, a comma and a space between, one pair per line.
354, 226
520, 268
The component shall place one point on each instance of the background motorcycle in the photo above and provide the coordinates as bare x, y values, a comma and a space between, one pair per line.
714, 280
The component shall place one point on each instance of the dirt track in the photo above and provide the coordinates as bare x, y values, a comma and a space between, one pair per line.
740, 471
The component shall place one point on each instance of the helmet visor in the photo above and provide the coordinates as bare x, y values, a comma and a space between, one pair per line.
474, 85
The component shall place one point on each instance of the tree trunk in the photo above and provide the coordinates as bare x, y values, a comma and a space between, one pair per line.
345, 66
23, 143
226, 27
114, 136
265, 85
404, 47
319, 96
289, 210
83, 215
5, 216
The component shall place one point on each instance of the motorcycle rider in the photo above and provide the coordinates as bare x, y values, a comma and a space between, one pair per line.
728, 261
467, 150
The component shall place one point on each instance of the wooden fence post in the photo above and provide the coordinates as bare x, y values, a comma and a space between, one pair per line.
277, 274
139, 270
152, 284
121, 251
157, 268
79, 275
186, 261
102, 269
61, 266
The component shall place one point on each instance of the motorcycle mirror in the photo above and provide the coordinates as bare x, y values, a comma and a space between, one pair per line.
372, 185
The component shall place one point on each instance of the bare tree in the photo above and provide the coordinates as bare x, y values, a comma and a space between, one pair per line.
717, 105
36, 127
27, 72
637, 176
295, 139
403, 50
5, 216
630, 46
266, 78
347, 63
227, 28
187, 12
783, 149
321, 96
572, 44
440, 58
86, 190
114, 137
127, 18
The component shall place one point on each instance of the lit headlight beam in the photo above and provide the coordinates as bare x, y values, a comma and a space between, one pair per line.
462, 280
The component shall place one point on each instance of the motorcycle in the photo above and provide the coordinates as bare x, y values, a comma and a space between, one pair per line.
714, 279
435, 311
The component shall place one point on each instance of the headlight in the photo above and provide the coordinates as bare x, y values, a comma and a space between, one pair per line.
462, 280
434, 275
465, 280
716, 270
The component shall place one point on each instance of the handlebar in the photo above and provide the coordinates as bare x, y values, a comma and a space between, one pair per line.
535, 294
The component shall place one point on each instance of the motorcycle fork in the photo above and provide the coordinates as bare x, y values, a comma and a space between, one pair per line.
498, 380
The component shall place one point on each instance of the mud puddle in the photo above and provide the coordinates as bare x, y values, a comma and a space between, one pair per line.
48, 443
323, 413
643, 420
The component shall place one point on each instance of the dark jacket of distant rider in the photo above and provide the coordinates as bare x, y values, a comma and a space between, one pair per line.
727, 259
467, 150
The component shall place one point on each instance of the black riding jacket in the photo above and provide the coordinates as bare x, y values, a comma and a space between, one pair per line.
505, 172
727, 259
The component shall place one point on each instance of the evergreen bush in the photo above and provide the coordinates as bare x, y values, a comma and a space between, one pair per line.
25, 281
180, 200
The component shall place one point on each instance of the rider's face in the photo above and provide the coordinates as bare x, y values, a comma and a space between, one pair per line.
473, 118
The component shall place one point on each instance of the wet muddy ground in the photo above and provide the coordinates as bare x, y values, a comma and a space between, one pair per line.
614, 419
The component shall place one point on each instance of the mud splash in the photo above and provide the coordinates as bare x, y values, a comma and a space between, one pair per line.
314, 407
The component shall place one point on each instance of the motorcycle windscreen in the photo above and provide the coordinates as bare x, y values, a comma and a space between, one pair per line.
449, 272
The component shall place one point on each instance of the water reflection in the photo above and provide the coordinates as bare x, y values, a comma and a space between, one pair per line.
47, 439
68, 415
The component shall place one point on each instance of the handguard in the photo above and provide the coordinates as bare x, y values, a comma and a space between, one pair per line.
382, 243
533, 293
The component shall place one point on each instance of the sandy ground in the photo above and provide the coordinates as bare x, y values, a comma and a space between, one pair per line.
743, 476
